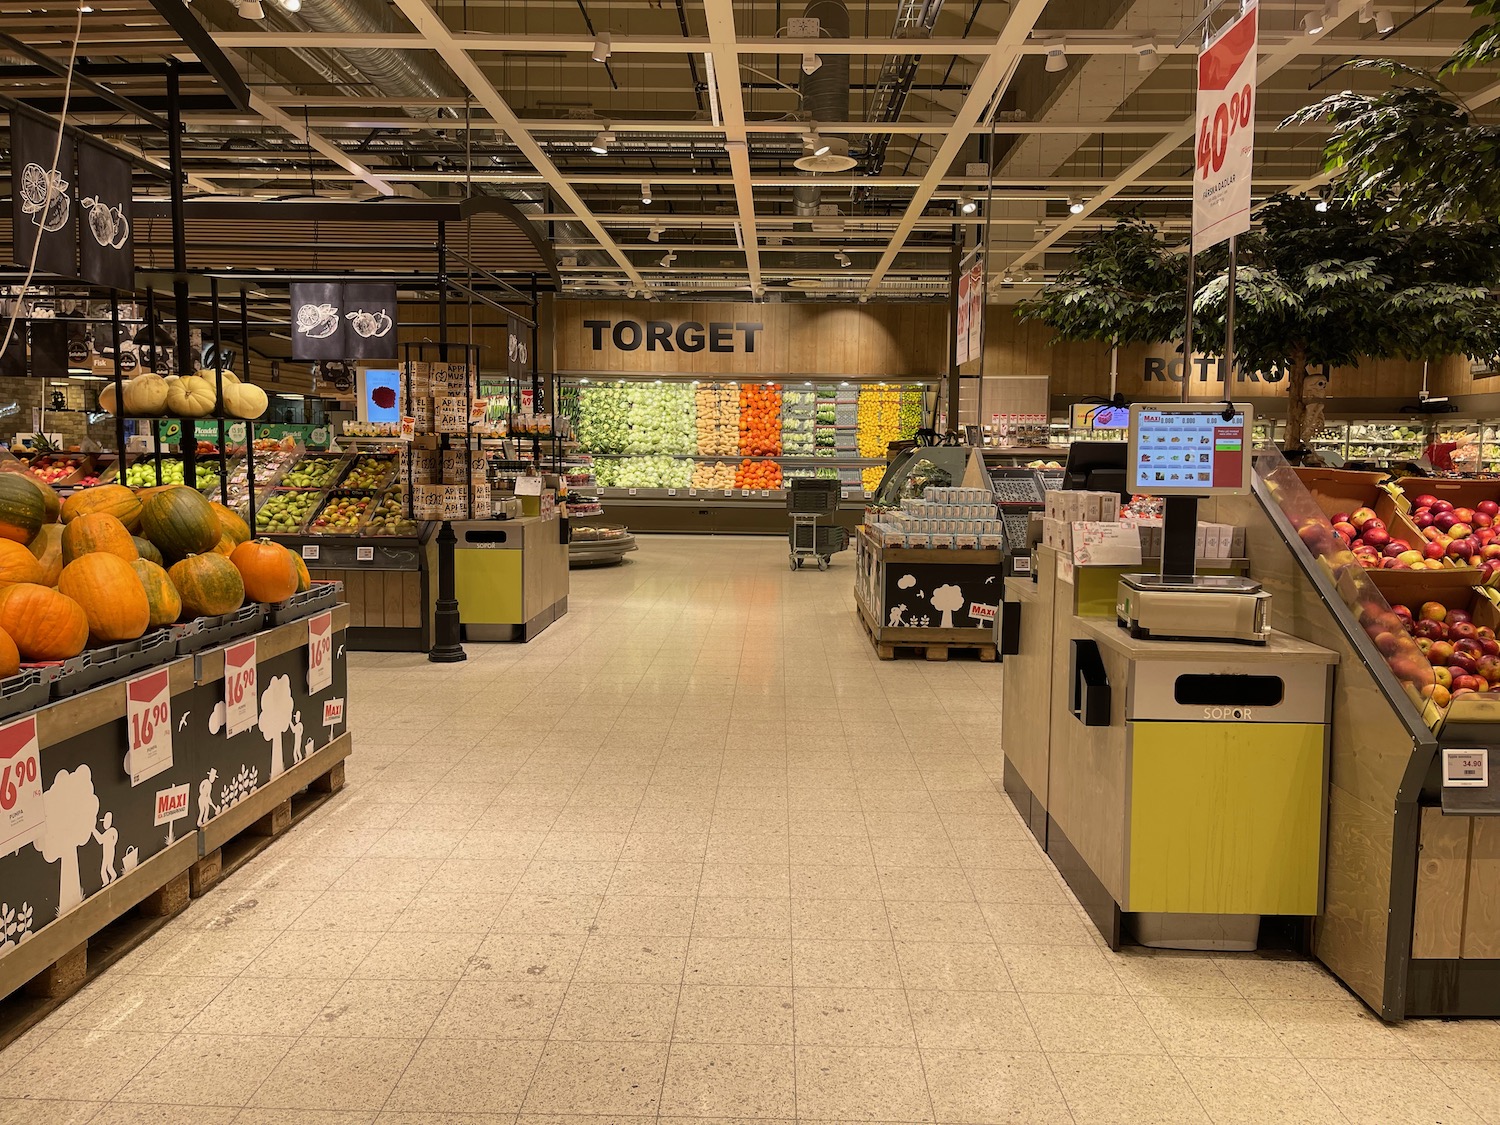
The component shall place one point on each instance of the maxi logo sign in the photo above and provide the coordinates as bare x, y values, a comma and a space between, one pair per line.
1158, 369
664, 336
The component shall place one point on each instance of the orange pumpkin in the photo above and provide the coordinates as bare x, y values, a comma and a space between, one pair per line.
304, 579
10, 656
45, 624
47, 547
18, 564
161, 595
209, 584
50, 499
114, 499
233, 524
268, 570
113, 600
147, 550
97, 532
225, 545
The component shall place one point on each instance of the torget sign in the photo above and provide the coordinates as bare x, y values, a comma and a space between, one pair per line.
628, 335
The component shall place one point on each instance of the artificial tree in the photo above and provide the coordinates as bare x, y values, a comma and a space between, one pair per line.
1124, 287
1330, 284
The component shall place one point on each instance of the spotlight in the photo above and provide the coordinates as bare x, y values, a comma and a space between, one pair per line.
603, 48
1057, 58
967, 204
1321, 205
1146, 56
1384, 25
813, 144
668, 258
646, 193
1075, 205
655, 233
1008, 279
292, 6
1312, 23
602, 140
864, 299
843, 259
811, 62
249, 9
1367, 12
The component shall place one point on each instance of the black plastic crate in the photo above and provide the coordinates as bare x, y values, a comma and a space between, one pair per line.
210, 632
27, 690
112, 662
323, 595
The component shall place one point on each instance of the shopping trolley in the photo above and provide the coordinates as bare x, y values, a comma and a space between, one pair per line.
808, 500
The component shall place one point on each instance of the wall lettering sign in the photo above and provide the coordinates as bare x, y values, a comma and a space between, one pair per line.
664, 336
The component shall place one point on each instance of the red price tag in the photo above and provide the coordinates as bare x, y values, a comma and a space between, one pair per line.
241, 704
477, 409
22, 811
408, 428
148, 714
319, 652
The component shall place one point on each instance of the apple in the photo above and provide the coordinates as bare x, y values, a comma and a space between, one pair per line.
1472, 682
1438, 506
1443, 521
1458, 549
1439, 694
1488, 507
1489, 668
1393, 564
1465, 515
1410, 558
1424, 645
1466, 691
1458, 616
1442, 676
1428, 628
1376, 537
1425, 500
1339, 517
1346, 529
1361, 516
1467, 646
1389, 643
1483, 519
1461, 531
1402, 611
1434, 550
1440, 652
1432, 534
1433, 611
1422, 518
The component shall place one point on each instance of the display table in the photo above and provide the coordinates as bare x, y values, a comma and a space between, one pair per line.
511, 576
101, 845
390, 584
934, 599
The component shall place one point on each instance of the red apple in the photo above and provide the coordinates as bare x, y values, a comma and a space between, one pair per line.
1488, 507
1490, 645
1489, 668
1433, 611
1376, 537
1483, 519
1461, 663
1438, 506
1458, 549
1339, 517
1434, 550
1425, 500
1465, 515
1428, 628
1440, 652
1422, 518
1458, 617
1472, 682
1466, 645
1346, 529
1433, 534
1361, 516
1444, 520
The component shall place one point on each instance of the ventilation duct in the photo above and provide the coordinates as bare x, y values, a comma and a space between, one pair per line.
825, 97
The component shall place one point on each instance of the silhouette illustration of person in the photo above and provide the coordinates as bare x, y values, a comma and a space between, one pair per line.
109, 840
206, 806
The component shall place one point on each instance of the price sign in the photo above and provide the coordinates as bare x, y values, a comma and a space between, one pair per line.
364, 554
22, 811
408, 428
333, 712
1225, 136
477, 409
631, 491
671, 492
319, 652
148, 716
1466, 767
310, 552
241, 697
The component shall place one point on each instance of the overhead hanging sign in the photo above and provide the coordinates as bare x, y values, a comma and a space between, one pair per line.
106, 250
970, 323
1225, 146
43, 217
334, 320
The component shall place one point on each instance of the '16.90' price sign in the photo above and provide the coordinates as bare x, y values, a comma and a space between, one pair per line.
149, 716
1225, 141
319, 652
241, 711
22, 812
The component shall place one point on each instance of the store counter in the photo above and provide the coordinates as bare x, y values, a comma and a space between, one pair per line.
511, 576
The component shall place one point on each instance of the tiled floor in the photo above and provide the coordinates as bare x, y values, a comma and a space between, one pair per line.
696, 854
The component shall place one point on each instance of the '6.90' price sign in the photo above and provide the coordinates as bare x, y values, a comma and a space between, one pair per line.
148, 713
241, 709
1225, 138
22, 811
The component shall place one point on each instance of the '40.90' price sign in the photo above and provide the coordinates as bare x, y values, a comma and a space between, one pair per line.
22, 811
149, 715
241, 710
1225, 133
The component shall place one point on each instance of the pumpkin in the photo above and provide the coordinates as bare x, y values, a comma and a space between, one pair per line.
208, 375
112, 597
18, 564
147, 550
191, 397
47, 548
50, 499
304, 579
23, 510
209, 584
180, 522
146, 394
232, 523
45, 624
267, 569
161, 595
245, 400
114, 499
96, 532
225, 546
108, 401
10, 658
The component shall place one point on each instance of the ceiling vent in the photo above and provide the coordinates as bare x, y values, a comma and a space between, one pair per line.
835, 159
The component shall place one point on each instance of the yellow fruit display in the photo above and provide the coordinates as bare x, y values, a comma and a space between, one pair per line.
879, 419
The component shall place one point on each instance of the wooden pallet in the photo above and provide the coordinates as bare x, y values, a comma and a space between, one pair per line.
937, 650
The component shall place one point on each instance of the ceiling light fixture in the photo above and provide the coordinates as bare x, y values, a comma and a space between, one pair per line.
1057, 58
811, 62
655, 233
1312, 23
1146, 56
967, 204
603, 48
293, 6
1075, 205
1384, 24
1321, 205
646, 193
864, 299
813, 144
1367, 12
250, 9
602, 140
668, 258
1008, 279
843, 259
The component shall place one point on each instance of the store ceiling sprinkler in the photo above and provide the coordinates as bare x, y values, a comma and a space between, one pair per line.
603, 48
250, 9
967, 204
602, 140
646, 193
1075, 205
1057, 58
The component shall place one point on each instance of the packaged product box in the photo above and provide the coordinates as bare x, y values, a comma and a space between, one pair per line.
1237, 543
450, 415
965, 541
1098, 543
1109, 506
425, 466
1211, 538
483, 501
1200, 535
427, 501
1092, 507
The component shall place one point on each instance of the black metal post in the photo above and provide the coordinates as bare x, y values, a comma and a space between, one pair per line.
249, 422
188, 444
114, 327
1187, 324
955, 270
156, 367
446, 623
220, 413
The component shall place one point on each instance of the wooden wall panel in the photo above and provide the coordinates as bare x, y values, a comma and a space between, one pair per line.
1482, 916
1442, 871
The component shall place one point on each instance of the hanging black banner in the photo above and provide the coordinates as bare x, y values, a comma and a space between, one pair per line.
370, 320
318, 325
517, 349
106, 247
13, 358
49, 349
42, 199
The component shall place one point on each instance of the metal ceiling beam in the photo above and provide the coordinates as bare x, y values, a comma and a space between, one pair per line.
989, 86
725, 51
313, 139
431, 26
198, 40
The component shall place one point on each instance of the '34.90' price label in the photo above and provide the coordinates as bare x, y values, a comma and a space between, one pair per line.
22, 811
319, 652
241, 710
149, 716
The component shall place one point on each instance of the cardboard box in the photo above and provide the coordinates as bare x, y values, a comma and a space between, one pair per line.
1106, 544
1459, 493
1343, 490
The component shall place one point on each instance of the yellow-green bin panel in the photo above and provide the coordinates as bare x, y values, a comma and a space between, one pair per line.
1225, 818
488, 584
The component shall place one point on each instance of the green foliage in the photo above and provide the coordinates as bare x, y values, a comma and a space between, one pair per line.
1124, 287
1416, 148
1483, 45
1338, 285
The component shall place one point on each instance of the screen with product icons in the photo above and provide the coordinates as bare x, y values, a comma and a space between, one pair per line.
1189, 450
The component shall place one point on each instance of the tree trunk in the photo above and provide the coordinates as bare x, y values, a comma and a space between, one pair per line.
1296, 398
